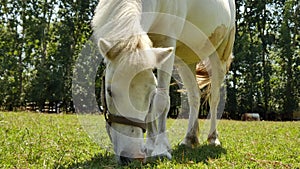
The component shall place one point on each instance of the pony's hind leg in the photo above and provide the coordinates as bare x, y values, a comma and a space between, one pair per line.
188, 77
220, 61
218, 70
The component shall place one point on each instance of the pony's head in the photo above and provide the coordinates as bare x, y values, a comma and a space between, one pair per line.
130, 85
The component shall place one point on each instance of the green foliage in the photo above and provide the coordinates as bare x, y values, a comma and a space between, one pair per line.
39, 47
266, 54
31, 140
40, 42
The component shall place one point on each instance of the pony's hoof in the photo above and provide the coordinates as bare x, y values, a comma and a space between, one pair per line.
214, 142
213, 139
191, 143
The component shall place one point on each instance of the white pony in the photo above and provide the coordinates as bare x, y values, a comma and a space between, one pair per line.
136, 36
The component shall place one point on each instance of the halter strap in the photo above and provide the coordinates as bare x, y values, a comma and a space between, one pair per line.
126, 121
111, 118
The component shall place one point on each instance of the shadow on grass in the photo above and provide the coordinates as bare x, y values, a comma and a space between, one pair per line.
101, 161
203, 153
98, 161
181, 155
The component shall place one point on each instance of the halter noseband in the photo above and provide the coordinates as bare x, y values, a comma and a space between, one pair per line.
111, 118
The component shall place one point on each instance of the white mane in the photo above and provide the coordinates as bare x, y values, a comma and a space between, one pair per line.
118, 21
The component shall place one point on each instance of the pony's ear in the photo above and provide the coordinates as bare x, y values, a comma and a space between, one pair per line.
162, 54
107, 49
104, 46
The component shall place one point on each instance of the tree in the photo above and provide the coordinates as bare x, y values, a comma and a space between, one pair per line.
266, 54
289, 32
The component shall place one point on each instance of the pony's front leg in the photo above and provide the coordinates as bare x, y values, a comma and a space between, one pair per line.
151, 131
157, 141
161, 106
161, 102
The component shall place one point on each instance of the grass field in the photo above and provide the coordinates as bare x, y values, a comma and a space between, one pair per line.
32, 140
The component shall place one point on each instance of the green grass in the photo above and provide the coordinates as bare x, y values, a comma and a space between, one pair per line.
32, 140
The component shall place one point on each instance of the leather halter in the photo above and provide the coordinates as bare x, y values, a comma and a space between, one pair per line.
111, 118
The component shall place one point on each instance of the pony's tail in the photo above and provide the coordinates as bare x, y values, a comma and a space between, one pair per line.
202, 76
203, 80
